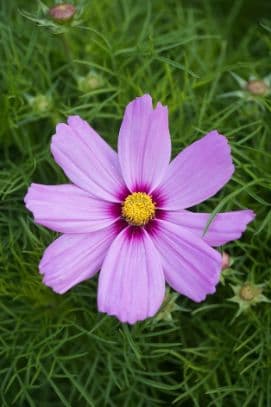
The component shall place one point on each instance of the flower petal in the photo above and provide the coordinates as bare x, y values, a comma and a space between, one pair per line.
191, 267
131, 282
224, 227
71, 259
197, 173
68, 209
87, 159
144, 144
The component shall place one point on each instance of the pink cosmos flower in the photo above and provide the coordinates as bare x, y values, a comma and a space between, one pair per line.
126, 213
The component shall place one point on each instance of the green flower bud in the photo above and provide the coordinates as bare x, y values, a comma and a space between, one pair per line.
247, 295
168, 306
90, 82
40, 103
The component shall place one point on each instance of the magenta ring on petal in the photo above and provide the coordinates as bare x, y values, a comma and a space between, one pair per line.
126, 213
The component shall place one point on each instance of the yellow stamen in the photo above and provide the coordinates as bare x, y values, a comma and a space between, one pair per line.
138, 208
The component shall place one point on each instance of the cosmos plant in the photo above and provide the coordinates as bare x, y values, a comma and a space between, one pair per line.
126, 213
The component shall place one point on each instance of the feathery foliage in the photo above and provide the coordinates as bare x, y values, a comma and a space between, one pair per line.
57, 350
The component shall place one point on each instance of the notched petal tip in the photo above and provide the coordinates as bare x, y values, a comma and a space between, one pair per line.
76, 121
123, 320
124, 315
144, 98
140, 102
144, 145
27, 196
31, 195
74, 258
218, 137
222, 228
213, 283
60, 127
250, 215
191, 267
147, 99
54, 286
162, 111
74, 117
246, 217
198, 172
211, 291
86, 159
131, 282
222, 140
63, 131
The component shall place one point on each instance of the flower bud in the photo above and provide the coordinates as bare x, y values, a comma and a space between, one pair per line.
168, 306
249, 292
62, 13
247, 295
40, 103
257, 87
90, 82
250, 90
226, 261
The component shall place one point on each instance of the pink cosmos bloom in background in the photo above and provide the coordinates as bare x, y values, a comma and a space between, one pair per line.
126, 213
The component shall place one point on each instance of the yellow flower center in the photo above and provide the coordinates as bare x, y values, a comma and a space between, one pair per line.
138, 208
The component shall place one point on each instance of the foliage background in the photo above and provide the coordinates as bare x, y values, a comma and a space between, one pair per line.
57, 350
